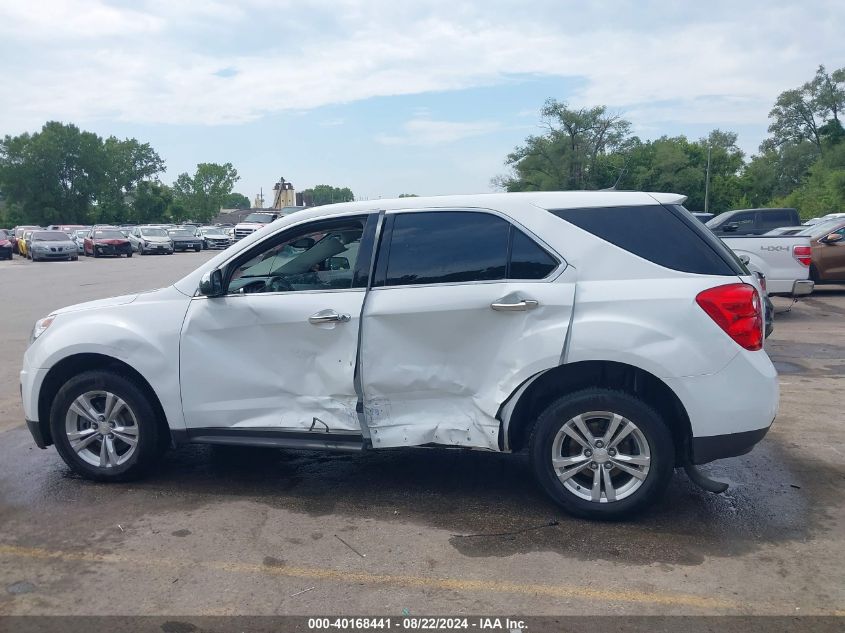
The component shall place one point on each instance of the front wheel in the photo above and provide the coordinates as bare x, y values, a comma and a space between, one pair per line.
128, 255
602, 454
104, 426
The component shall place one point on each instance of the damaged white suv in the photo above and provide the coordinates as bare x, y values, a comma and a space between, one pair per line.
609, 334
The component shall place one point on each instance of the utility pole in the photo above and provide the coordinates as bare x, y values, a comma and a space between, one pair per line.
707, 184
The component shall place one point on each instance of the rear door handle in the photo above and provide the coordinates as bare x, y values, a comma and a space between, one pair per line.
514, 306
328, 316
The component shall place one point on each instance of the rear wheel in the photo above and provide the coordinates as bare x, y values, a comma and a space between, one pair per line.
128, 255
602, 454
104, 426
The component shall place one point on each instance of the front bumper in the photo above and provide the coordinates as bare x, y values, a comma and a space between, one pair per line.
109, 249
40, 433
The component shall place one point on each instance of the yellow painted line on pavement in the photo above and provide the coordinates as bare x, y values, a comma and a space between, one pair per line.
427, 582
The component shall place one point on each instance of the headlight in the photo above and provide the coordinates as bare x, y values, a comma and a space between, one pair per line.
40, 327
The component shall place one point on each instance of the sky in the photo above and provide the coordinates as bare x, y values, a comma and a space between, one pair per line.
390, 97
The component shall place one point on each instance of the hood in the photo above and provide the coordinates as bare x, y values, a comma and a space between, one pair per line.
184, 238
250, 225
100, 303
110, 240
155, 239
5, 242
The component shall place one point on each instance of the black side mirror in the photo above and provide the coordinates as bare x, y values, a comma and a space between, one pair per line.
730, 227
833, 238
211, 284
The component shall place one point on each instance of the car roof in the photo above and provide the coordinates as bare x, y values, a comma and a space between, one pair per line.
541, 199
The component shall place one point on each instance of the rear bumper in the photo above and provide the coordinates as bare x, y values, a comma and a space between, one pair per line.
708, 449
802, 287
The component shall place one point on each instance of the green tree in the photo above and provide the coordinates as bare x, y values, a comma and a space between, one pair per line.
203, 194
571, 154
151, 203
408, 195
126, 164
805, 113
52, 175
326, 194
62, 174
236, 201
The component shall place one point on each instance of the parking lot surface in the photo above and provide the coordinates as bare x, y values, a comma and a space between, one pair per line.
249, 531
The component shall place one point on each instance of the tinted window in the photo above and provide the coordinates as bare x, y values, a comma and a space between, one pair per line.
528, 259
447, 247
670, 238
49, 236
774, 219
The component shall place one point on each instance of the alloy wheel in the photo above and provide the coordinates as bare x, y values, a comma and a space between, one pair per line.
102, 429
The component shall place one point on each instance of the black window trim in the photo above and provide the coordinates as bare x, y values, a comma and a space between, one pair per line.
386, 238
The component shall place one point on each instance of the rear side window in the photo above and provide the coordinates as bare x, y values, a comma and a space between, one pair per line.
447, 247
775, 219
528, 260
669, 237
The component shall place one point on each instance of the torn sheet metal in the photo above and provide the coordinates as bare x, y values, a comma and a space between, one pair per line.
274, 369
439, 360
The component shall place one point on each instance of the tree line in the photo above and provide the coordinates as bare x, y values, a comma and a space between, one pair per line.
801, 164
62, 174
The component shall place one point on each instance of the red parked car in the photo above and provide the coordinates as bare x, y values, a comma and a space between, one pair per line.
5, 244
106, 241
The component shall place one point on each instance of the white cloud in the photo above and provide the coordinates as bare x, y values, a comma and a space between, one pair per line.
427, 132
160, 61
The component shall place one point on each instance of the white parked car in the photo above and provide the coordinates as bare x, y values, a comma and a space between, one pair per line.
608, 334
150, 239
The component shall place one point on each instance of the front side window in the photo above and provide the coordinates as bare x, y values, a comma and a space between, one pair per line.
321, 258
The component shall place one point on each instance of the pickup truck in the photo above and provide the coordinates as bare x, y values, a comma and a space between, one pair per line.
783, 259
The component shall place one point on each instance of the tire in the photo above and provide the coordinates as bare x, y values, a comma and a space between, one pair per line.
814, 273
197, 249
649, 441
94, 253
127, 461
128, 255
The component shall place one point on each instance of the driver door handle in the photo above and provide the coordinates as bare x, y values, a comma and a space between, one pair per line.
514, 306
328, 316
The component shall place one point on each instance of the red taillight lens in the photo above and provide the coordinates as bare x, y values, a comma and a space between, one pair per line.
803, 254
736, 309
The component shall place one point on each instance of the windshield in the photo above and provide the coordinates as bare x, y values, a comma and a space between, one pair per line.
822, 228
49, 236
181, 232
108, 234
153, 232
81, 233
263, 218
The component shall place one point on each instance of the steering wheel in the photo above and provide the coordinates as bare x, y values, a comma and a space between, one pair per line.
279, 284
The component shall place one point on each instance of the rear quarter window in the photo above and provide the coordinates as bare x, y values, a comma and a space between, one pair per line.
669, 237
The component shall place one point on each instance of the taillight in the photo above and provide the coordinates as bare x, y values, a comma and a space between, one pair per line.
803, 254
736, 309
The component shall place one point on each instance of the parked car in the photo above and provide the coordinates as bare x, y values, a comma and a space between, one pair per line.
752, 221
79, 237
214, 237
106, 241
827, 240
783, 259
19, 231
5, 244
185, 239
703, 217
47, 245
608, 334
252, 222
150, 239
24, 243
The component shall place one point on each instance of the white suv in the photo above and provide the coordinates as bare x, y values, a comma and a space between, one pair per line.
609, 334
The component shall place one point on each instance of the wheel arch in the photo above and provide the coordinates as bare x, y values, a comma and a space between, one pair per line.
571, 377
75, 364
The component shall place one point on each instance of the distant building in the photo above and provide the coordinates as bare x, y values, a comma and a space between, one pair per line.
284, 194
